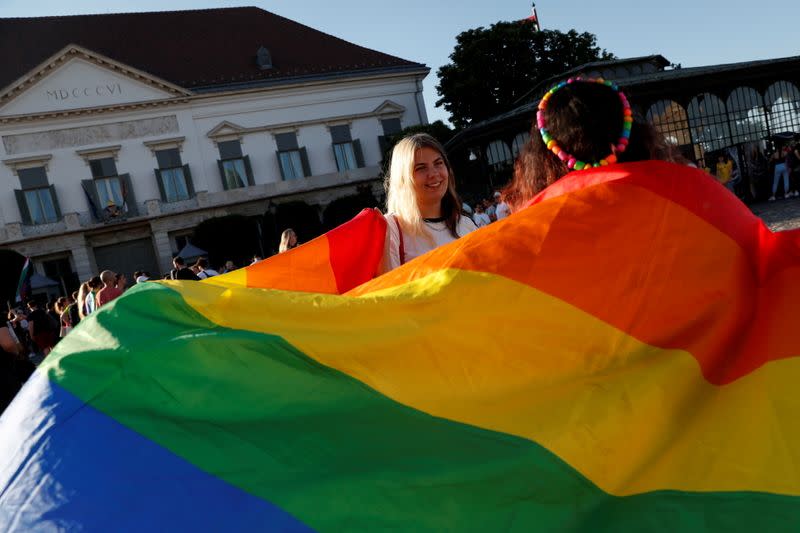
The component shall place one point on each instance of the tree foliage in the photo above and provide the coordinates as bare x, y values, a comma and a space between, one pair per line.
491, 69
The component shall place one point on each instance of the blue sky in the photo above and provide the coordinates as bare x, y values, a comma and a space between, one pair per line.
689, 32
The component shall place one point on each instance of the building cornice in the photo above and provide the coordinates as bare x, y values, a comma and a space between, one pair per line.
224, 129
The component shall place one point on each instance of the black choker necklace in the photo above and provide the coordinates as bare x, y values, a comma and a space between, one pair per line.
432, 220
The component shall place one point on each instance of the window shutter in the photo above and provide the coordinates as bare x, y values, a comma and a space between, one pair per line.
304, 160
248, 170
23, 207
280, 165
160, 182
222, 174
128, 196
187, 174
335, 159
90, 189
359, 154
54, 197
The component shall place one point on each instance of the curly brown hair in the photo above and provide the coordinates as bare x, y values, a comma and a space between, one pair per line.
586, 119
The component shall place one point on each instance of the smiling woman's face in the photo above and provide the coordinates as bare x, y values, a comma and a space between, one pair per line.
430, 176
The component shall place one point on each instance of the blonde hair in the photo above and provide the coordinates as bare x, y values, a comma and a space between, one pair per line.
82, 293
286, 239
401, 196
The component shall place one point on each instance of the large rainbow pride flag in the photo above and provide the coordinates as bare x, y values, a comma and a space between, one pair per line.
622, 355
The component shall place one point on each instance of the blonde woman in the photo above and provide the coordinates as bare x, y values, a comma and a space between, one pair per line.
83, 292
288, 240
423, 208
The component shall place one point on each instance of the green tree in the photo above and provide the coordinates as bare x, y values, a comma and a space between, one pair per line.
491, 69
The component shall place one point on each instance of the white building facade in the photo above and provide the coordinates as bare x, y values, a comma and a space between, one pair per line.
106, 166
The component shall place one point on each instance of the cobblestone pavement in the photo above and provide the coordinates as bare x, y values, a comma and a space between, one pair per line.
779, 215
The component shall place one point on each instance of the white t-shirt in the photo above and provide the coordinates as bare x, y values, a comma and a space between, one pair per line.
207, 273
481, 219
502, 211
415, 246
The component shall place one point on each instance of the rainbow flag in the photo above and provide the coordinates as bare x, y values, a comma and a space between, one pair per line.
619, 356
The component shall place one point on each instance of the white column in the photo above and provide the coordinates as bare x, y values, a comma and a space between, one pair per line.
84, 262
163, 250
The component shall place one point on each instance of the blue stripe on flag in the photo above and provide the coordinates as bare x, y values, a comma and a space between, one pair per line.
66, 466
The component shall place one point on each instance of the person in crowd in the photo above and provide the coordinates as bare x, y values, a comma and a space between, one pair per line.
181, 271
51, 310
15, 367
140, 276
110, 291
480, 217
83, 292
95, 284
288, 240
793, 169
18, 324
585, 119
256, 258
42, 328
423, 208
726, 171
491, 207
778, 160
61, 311
503, 209
203, 271
230, 266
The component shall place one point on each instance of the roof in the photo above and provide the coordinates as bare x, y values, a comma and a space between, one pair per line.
529, 108
198, 49
690, 72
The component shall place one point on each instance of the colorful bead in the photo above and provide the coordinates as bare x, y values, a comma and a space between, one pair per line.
571, 161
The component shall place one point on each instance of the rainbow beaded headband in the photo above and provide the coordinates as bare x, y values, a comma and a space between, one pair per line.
572, 161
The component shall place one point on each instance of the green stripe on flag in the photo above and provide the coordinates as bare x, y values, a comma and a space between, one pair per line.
251, 409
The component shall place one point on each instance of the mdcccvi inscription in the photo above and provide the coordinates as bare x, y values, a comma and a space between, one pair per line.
75, 93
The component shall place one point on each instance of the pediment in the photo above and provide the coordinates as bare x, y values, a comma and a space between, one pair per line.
77, 78
389, 107
226, 129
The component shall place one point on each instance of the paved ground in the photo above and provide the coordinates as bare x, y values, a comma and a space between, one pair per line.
779, 215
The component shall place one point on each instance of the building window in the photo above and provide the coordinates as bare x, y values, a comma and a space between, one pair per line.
498, 154
346, 151
36, 200
292, 160
669, 118
173, 177
234, 168
782, 100
345, 156
391, 127
110, 195
519, 143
